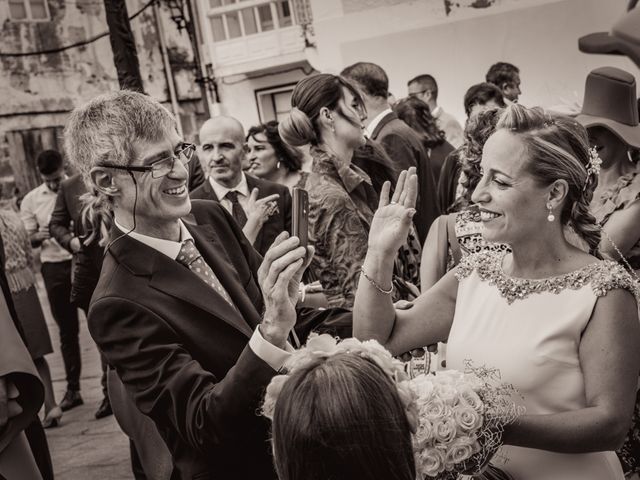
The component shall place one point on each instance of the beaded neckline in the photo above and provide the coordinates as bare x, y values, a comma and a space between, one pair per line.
602, 276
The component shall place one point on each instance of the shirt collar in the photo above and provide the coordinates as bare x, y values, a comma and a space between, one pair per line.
376, 120
170, 248
221, 191
350, 175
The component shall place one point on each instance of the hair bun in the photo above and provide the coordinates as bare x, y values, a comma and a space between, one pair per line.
296, 129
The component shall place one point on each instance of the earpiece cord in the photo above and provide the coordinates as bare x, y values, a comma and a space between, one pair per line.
135, 202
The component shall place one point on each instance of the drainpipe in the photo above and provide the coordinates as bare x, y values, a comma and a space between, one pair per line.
167, 67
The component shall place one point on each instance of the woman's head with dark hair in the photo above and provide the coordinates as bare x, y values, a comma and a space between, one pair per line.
417, 114
341, 418
267, 152
324, 106
477, 130
482, 96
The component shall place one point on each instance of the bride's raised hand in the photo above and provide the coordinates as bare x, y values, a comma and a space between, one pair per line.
392, 219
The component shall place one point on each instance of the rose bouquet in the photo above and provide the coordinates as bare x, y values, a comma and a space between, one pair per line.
461, 420
457, 418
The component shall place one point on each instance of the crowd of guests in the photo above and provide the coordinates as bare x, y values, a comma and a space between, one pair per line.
421, 232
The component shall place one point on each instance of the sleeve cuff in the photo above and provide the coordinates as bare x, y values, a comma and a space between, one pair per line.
272, 355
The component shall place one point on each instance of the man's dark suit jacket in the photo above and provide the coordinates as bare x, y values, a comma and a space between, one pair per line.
276, 224
182, 351
404, 147
88, 261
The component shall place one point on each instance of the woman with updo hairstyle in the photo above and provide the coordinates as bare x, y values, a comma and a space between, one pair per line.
272, 159
558, 323
416, 113
341, 419
327, 114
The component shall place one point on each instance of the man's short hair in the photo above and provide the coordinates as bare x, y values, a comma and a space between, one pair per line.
426, 82
107, 128
482, 93
501, 73
48, 162
370, 77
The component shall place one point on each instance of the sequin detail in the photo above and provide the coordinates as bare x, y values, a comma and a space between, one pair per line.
602, 276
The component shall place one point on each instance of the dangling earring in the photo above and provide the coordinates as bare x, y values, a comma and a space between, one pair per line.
278, 165
333, 127
551, 217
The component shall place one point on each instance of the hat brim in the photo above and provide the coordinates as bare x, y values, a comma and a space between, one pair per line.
606, 43
627, 133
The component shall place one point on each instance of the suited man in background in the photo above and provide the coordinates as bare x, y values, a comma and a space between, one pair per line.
261, 208
399, 140
178, 311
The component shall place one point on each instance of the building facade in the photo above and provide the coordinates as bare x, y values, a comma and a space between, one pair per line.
38, 90
258, 49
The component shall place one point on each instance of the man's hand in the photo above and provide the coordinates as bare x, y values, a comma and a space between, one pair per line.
279, 277
75, 245
40, 236
260, 209
9, 407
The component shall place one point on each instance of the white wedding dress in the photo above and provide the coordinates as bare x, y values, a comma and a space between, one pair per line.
530, 331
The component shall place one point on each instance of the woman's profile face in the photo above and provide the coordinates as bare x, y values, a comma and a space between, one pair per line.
262, 158
512, 203
348, 120
609, 147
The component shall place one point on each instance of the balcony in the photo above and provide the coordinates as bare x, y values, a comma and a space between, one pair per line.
244, 36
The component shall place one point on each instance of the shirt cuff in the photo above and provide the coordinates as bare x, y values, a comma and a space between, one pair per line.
272, 355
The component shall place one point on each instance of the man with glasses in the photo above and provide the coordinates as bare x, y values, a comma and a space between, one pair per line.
178, 312
425, 88
35, 211
260, 207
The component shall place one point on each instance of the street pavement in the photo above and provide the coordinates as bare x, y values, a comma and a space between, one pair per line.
83, 448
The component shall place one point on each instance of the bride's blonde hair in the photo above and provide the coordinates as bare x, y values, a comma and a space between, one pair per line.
558, 148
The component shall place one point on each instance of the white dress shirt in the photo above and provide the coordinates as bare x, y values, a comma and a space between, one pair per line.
35, 212
272, 355
452, 129
243, 193
374, 123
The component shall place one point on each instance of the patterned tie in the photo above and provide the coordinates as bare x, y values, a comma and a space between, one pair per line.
190, 257
236, 209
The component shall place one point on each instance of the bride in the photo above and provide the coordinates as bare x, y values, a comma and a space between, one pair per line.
559, 324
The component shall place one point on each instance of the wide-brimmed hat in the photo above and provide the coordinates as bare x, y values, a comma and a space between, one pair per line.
623, 39
610, 101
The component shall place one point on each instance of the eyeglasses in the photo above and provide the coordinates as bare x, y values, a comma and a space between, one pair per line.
161, 167
416, 94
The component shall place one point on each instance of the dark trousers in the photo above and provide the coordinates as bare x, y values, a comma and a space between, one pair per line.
57, 281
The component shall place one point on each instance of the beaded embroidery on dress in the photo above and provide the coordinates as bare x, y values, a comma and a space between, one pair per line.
603, 276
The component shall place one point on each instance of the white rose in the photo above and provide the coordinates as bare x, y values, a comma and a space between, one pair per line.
433, 409
430, 462
444, 429
448, 393
467, 419
461, 449
469, 397
322, 343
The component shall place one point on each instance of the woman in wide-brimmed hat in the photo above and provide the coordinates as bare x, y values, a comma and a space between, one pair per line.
610, 114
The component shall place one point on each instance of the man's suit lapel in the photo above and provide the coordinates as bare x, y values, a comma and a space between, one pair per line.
213, 252
252, 183
172, 278
209, 190
381, 124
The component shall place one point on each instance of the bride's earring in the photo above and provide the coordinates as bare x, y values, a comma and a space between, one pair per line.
551, 217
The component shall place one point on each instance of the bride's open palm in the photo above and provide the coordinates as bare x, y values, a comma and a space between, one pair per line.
392, 220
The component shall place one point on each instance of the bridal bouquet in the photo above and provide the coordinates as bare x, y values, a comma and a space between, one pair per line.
461, 420
457, 418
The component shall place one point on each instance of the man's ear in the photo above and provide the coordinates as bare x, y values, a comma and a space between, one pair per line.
104, 181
